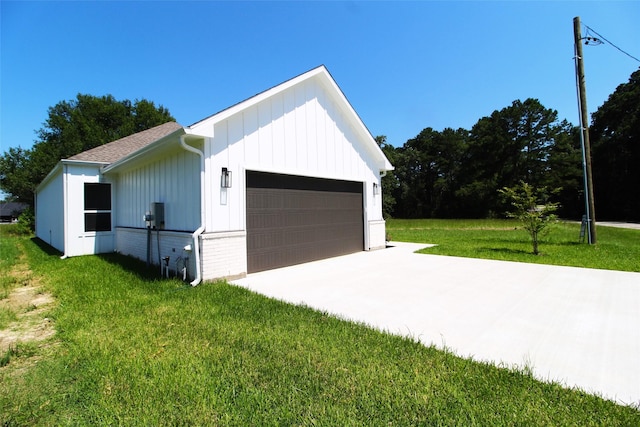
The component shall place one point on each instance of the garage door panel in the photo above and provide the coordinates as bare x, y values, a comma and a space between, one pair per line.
301, 219
295, 254
342, 235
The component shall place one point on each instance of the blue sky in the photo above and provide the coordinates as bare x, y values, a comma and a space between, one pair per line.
403, 66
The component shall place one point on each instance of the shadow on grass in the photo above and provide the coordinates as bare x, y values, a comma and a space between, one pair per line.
506, 251
569, 243
127, 263
45, 247
132, 265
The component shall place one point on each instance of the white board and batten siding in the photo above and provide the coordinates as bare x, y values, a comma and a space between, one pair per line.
49, 207
66, 215
81, 242
299, 131
304, 127
172, 179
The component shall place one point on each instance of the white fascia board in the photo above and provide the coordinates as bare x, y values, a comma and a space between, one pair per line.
361, 128
83, 163
165, 140
205, 127
225, 114
57, 168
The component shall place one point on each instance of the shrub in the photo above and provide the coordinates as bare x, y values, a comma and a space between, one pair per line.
27, 221
532, 207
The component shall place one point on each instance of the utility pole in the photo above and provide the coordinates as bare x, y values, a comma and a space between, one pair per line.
584, 129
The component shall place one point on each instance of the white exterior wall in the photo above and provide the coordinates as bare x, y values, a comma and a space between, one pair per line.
133, 242
224, 255
304, 127
172, 178
50, 212
377, 235
78, 241
299, 131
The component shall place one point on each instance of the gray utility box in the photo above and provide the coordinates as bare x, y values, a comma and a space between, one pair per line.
157, 215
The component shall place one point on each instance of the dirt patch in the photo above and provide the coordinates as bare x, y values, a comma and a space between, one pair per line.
30, 304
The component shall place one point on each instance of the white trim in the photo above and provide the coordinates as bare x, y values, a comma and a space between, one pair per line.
223, 234
205, 127
83, 162
64, 162
225, 114
365, 215
143, 151
57, 168
362, 128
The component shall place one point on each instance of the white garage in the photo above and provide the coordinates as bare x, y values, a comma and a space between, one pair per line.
288, 176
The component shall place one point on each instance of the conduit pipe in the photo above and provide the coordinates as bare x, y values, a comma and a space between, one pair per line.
196, 234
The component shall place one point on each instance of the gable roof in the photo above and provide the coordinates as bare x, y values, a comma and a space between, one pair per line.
124, 149
121, 148
204, 127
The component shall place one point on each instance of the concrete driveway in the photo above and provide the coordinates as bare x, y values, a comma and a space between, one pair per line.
576, 326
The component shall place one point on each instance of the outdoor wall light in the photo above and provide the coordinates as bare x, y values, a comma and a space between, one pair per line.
225, 178
376, 189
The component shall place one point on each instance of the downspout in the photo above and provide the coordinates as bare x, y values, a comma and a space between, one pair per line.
196, 234
65, 211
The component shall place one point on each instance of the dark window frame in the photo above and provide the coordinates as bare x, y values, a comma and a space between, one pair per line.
97, 196
97, 207
97, 221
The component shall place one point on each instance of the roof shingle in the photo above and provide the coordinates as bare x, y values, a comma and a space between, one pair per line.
120, 148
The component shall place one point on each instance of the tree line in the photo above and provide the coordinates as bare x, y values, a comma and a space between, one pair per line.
456, 173
453, 173
73, 127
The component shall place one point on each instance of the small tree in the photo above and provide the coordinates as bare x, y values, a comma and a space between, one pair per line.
27, 221
532, 207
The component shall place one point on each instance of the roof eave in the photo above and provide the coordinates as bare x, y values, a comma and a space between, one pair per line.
373, 148
254, 100
83, 162
58, 168
112, 167
388, 167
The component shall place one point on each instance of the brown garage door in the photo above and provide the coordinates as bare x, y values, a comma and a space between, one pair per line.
294, 219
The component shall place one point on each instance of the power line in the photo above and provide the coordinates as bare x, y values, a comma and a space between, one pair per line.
591, 40
594, 40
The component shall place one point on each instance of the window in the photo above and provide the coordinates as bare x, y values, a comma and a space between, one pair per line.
97, 207
98, 221
97, 197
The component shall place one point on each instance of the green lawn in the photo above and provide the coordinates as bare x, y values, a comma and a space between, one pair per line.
134, 350
617, 249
